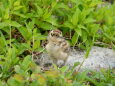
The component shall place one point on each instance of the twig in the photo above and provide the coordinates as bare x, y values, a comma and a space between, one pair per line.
70, 34
79, 67
101, 43
42, 50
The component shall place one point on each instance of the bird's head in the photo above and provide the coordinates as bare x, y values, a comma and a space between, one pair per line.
55, 33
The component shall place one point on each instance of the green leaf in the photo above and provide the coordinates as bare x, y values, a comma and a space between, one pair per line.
36, 44
19, 14
95, 2
87, 52
26, 63
21, 47
82, 27
3, 41
78, 30
54, 3
17, 3
64, 69
11, 82
3, 24
39, 37
35, 83
46, 26
68, 24
61, 6
18, 7
82, 76
75, 17
76, 64
9, 23
24, 31
89, 20
84, 35
75, 83
46, 14
7, 15
14, 23
18, 69
39, 10
75, 38
52, 20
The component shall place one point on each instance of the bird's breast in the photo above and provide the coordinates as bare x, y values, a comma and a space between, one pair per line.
52, 48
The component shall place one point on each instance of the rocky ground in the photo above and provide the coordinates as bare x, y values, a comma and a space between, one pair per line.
98, 58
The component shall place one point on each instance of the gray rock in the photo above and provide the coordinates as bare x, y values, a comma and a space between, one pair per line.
97, 59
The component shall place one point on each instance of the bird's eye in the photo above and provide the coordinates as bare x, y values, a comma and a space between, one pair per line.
52, 34
56, 35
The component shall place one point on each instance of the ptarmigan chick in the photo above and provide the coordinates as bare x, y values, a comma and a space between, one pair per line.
57, 48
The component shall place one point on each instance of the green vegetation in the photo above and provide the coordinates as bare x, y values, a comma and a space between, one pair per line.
24, 24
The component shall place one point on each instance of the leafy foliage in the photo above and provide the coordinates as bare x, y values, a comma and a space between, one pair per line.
24, 24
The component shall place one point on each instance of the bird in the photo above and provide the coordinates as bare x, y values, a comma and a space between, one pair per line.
57, 47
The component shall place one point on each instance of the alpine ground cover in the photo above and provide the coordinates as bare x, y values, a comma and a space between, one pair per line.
24, 25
